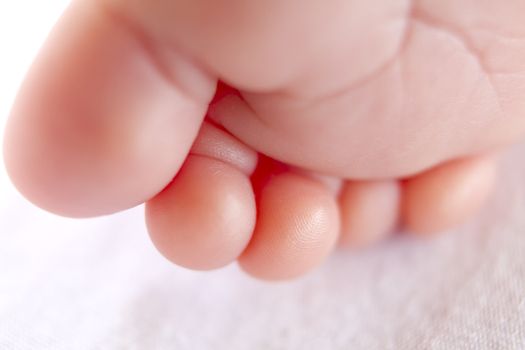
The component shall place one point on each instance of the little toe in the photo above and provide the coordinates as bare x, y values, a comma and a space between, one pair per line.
369, 211
297, 227
205, 217
447, 195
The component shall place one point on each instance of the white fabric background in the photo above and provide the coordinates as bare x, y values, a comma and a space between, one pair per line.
99, 284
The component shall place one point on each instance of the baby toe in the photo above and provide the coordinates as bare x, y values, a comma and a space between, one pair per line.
297, 227
205, 217
369, 211
447, 195
89, 132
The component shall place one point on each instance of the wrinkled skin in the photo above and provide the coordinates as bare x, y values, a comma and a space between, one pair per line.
375, 76
348, 96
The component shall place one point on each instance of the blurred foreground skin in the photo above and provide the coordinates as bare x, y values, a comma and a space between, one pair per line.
268, 132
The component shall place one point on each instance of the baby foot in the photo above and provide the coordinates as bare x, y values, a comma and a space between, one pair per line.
337, 122
280, 222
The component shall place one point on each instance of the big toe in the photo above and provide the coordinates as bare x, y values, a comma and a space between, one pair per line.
89, 130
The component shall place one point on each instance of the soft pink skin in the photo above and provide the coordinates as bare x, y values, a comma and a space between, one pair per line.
85, 138
208, 211
422, 115
442, 197
358, 90
297, 228
369, 211
327, 68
